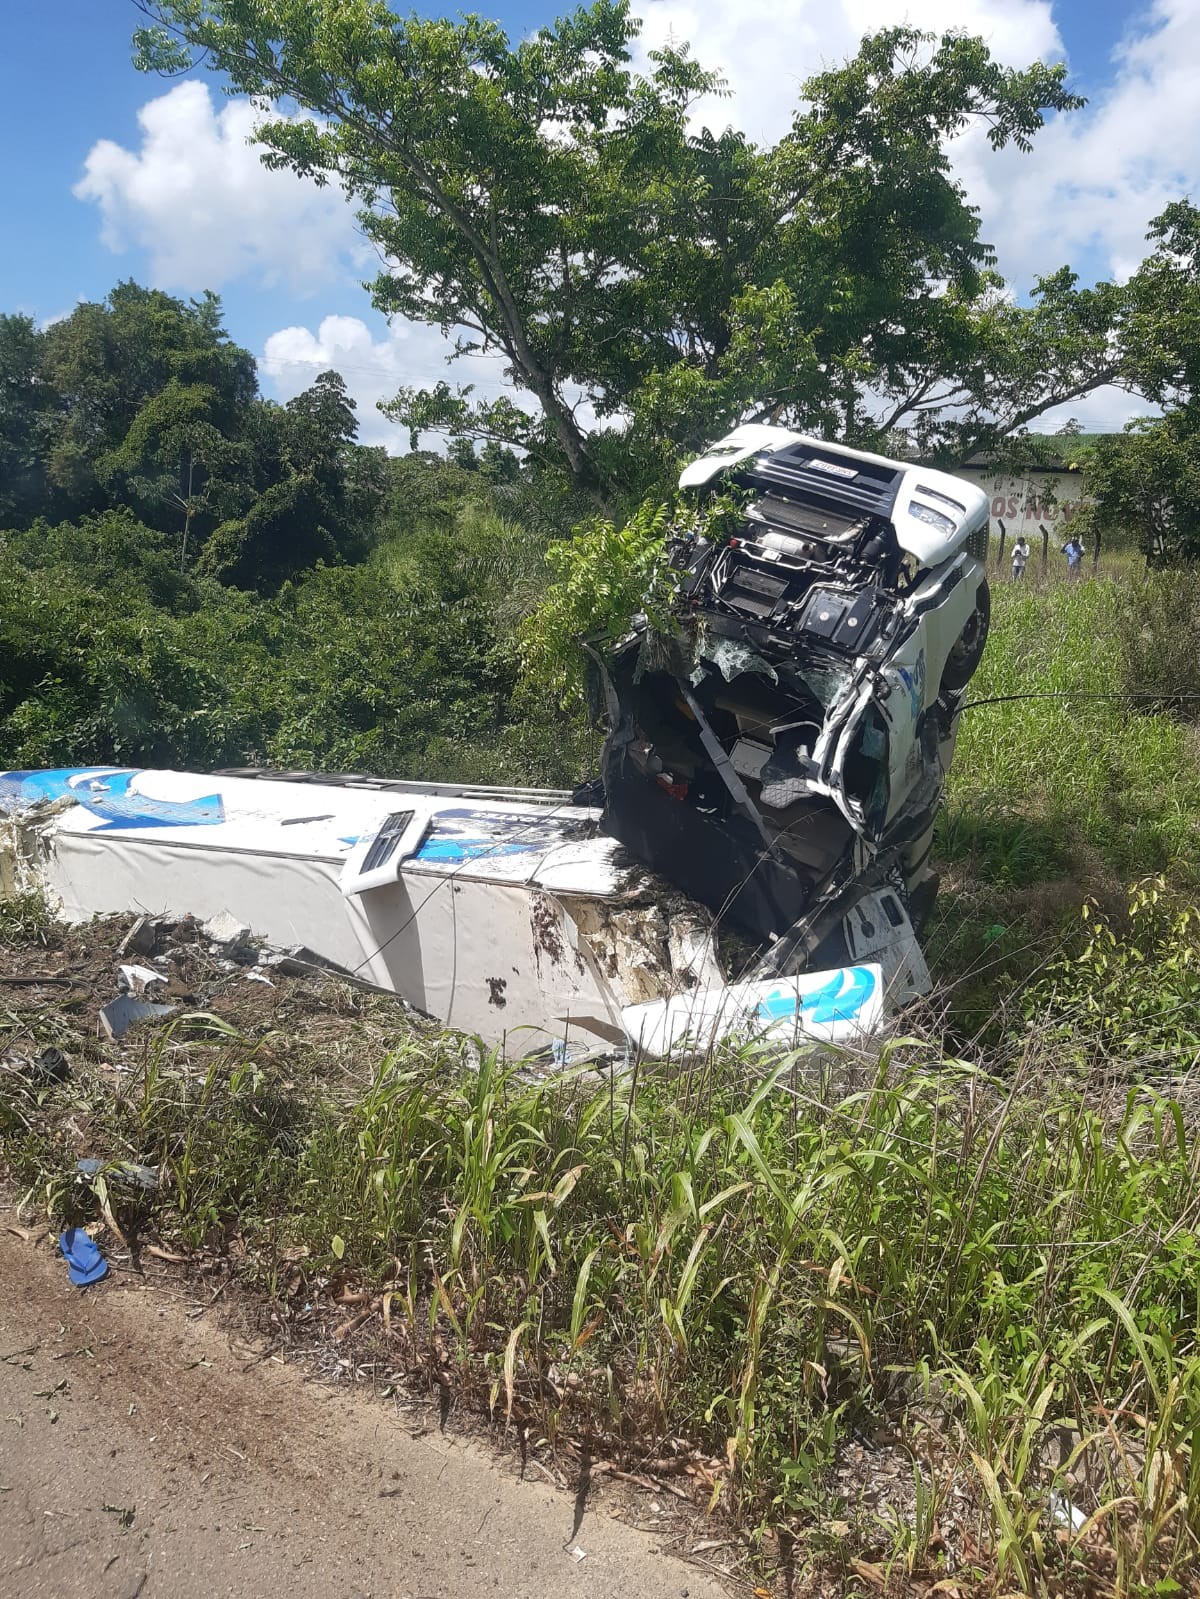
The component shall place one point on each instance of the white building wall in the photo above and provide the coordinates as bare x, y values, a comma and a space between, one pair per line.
1024, 502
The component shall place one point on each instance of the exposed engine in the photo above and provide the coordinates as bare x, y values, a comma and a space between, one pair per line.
781, 752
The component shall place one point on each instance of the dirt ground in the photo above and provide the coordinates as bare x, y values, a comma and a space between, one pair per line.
145, 1451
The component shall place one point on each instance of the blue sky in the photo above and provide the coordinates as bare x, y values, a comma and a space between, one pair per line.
110, 174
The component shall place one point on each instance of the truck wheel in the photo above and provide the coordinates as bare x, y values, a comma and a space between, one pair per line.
968, 648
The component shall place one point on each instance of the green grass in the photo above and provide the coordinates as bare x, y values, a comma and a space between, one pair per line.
738, 1257
1052, 801
1077, 778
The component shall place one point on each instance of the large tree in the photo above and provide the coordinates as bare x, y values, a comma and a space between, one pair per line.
1148, 479
141, 401
548, 201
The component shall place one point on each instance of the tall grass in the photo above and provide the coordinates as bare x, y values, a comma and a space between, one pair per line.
1066, 785
733, 1260
1081, 775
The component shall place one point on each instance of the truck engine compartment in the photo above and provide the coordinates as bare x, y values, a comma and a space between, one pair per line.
781, 749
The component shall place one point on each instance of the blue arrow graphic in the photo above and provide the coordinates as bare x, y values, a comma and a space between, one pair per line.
107, 794
839, 1000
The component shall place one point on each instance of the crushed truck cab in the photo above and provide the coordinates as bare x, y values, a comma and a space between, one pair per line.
780, 752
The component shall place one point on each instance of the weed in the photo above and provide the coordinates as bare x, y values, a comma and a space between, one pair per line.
1053, 785
746, 1264
26, 919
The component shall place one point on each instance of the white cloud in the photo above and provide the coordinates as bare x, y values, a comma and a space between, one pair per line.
766, 51
373, 368
197, 198
1100, 175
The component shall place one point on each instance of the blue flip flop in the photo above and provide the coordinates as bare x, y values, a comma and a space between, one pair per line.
84, 1261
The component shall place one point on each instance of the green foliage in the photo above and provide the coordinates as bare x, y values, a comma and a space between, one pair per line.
1146, 481
406, 664
22, 423
1130, 993
111, 677
142, 403
605, 575
1161, 335
25, 919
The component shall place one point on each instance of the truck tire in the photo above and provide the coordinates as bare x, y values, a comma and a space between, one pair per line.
969, 646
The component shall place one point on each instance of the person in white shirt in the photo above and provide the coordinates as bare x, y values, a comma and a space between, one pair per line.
1020, 554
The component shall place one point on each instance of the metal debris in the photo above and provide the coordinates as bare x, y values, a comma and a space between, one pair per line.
120, 1014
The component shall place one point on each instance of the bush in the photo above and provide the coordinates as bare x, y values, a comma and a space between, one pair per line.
1131, 993
605, 574
1158, 635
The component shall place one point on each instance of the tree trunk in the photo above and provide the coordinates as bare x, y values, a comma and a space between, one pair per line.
187, 514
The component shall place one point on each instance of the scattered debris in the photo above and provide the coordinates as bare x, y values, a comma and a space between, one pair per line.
121, 1171
233, 938
119, 1015
225, 929
136, 979
778, 755
145, 936
85, 1263
1064, 1514
300, 961
49, 1065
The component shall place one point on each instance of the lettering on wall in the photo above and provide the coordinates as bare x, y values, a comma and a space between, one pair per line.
1021, 503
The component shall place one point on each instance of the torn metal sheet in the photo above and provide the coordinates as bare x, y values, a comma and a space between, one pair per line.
120, 1014
136, 979
476, 916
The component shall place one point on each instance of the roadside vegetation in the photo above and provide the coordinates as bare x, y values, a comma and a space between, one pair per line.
901, 1321
921, 1322
927, 1319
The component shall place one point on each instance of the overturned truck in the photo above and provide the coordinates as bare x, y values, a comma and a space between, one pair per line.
780, 755
774, 762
